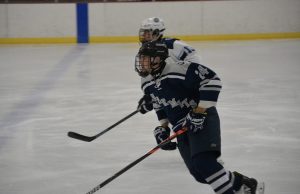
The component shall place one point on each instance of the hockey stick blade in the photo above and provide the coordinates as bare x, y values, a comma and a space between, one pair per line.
81, 137
91, 138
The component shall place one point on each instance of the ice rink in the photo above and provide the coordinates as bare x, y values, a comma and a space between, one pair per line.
48, 90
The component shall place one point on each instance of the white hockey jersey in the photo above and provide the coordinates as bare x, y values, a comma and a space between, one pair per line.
180, 51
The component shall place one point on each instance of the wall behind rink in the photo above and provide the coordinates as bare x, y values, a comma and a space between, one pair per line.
119, 22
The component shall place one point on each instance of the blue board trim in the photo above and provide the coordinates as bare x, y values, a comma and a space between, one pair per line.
82, 23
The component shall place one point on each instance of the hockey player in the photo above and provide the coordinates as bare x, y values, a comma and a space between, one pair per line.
153, 29
185, 95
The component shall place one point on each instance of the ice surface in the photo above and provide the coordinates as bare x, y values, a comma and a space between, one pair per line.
48, 90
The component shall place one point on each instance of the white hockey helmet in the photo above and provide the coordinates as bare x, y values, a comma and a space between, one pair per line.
151, 29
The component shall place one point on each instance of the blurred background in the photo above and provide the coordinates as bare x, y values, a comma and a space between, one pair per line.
118, 21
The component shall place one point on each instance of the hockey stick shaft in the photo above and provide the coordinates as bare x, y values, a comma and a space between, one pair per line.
136, 161
91, 138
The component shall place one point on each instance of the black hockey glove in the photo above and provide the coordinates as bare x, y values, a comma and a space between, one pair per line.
160, 134
195, 121
145, 104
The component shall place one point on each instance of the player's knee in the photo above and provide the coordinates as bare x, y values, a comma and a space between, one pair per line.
198, 177
205, 161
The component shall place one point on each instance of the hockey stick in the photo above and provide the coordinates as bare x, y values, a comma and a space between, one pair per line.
91, 138
136, 161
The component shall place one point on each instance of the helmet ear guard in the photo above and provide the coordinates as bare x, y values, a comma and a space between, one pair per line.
156, 34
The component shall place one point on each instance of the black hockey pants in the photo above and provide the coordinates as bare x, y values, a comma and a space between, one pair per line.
200, 151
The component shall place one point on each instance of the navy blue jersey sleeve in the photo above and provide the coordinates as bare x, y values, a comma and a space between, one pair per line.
205, 83
161, 115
